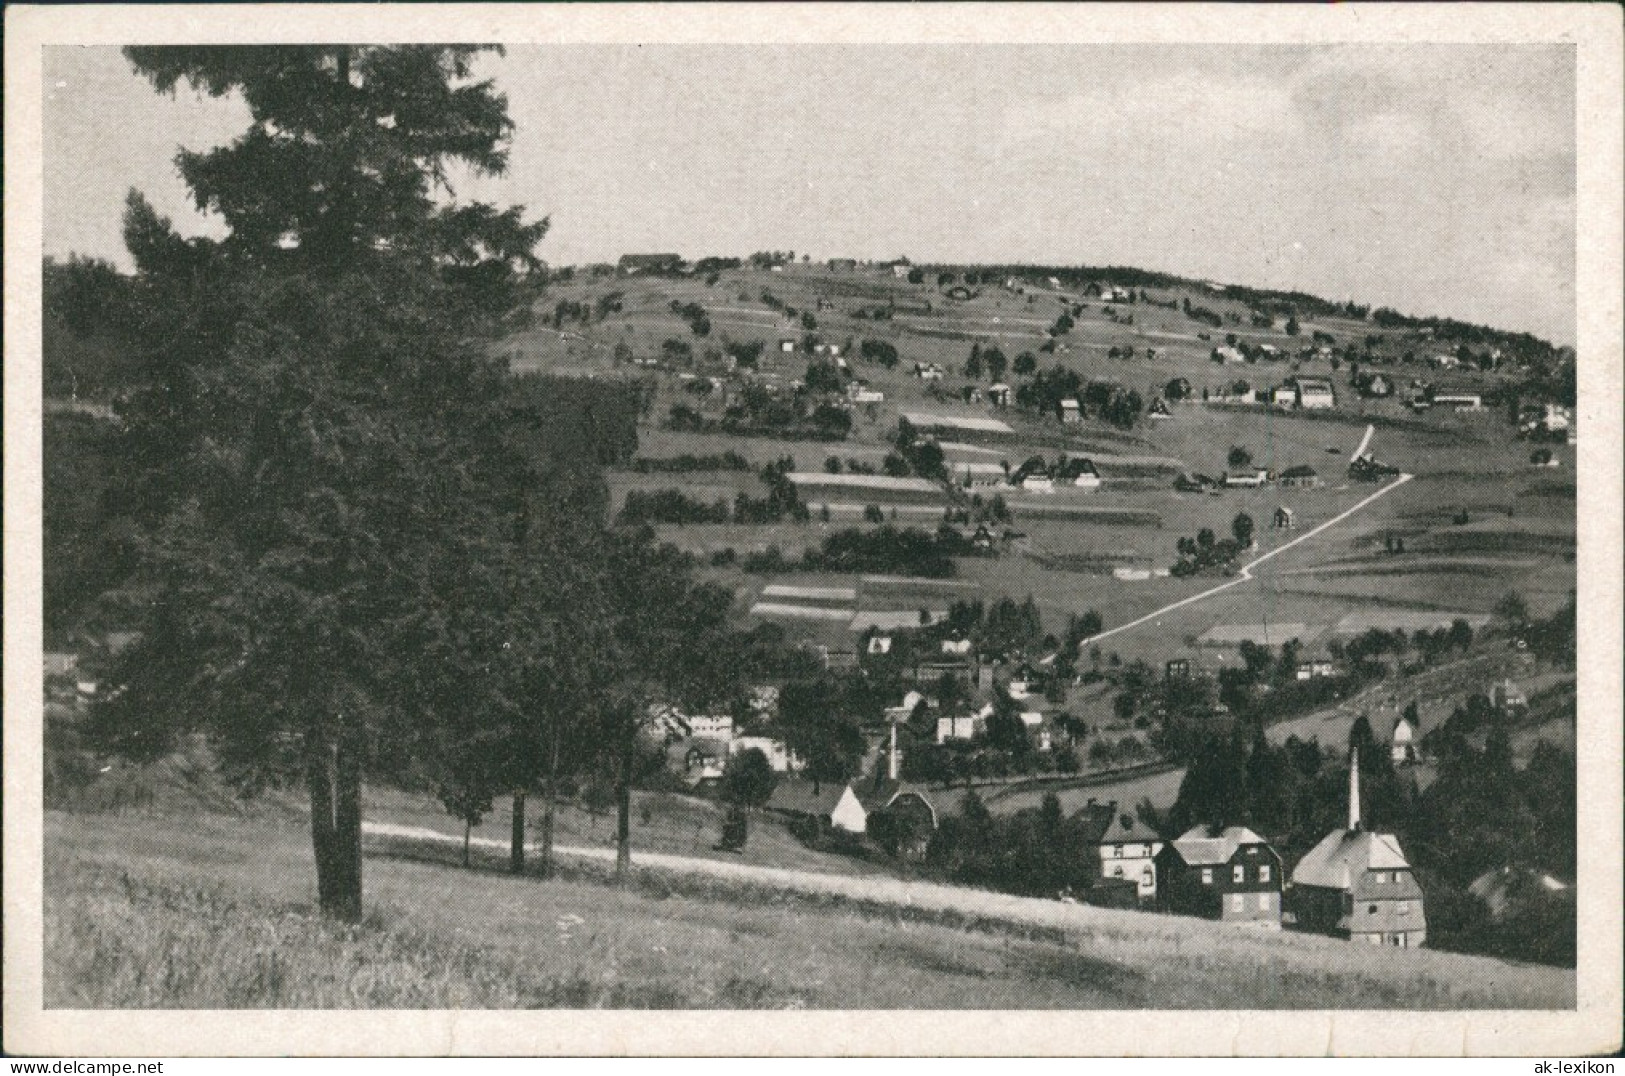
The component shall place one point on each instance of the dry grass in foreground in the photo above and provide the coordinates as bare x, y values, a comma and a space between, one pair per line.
216, 912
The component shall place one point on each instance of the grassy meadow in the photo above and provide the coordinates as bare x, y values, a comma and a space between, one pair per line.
155, 911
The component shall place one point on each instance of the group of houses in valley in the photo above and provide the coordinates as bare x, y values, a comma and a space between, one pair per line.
1355, 883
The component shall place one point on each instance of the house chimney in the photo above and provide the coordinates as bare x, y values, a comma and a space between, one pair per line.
1354, 789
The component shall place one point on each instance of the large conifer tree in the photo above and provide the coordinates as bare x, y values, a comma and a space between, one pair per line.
312, 445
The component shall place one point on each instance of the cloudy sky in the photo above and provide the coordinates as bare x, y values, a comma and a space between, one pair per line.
1435, 179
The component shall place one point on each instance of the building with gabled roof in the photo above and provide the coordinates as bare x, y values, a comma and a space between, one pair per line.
1358, 885
1232, 875
1119, 846
831, 805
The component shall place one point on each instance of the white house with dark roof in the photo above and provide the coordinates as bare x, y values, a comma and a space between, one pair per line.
1358, 885
1120, 846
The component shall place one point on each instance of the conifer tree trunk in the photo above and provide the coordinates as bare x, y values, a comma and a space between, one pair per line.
516, 842
319, 783
549, 805
623, 803
333, 779
347, 828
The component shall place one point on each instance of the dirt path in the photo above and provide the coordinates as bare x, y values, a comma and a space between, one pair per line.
924, 895
1246, 573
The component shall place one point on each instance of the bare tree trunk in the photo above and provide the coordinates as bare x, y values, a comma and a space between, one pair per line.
623, 802
347, 825
516, 844
319, 783
550, 790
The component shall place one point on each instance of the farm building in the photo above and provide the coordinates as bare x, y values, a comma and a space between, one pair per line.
632, 264
1038, 483
828, 806
787, 346
1232, 875
1119, 845
1301, 476
1316, 394
1230, 355
1159, 409
1284, 396
1358, 885
998, 394
1282, 520
1071, 411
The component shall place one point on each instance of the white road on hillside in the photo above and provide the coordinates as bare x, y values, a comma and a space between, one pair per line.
1370, 431
1247, 569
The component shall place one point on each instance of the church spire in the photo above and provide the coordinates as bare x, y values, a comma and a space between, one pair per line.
1354, 789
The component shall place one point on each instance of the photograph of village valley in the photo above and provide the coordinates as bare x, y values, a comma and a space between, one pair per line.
810, 527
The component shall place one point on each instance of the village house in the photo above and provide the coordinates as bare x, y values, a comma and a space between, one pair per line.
1229, 355
1315, 669
1159, 409
1315, 394
1249, 479
787, 346
698, 761
1038, 483
912, 814
1282, 519
1119, 845
961, 726
998, 394
1284, 396
678, 725
1300, 476
1460, 400
1233, 876
830, 805
1402, 743
1379, 386
1358, 885
780, 759
1083, 473
1507, 697
1071, 411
